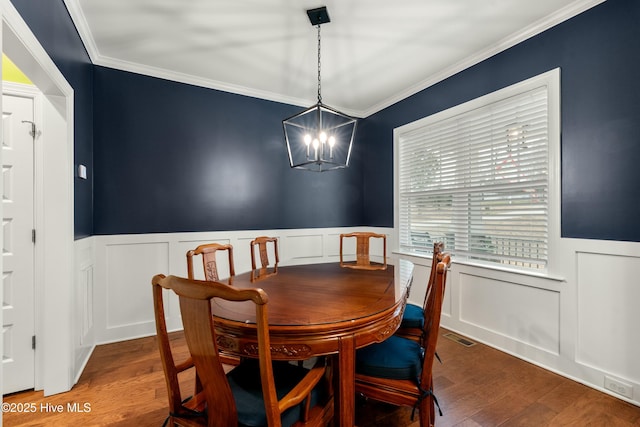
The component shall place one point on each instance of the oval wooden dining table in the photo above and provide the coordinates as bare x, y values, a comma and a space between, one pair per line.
315, 310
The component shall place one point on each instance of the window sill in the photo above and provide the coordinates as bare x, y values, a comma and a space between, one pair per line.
486, 266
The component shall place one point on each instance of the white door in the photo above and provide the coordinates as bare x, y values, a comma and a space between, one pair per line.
18, 247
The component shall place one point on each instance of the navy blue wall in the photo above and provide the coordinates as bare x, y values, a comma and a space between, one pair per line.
172, 157
51, 24
598, 52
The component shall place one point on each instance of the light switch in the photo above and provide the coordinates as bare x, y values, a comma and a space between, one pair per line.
82, 172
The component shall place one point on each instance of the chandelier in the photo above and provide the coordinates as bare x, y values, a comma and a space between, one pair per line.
319, 138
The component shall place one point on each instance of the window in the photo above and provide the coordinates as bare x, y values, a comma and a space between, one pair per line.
481, 177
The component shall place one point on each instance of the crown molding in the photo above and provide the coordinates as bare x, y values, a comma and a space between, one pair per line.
542, 25
75, 11
568, 12
175, 76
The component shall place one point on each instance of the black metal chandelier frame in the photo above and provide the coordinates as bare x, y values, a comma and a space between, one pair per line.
319, 138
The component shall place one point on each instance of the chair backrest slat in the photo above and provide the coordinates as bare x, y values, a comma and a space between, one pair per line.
262, 242
209, 264
363, 256
200, 338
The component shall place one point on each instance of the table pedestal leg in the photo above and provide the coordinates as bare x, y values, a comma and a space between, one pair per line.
345, 383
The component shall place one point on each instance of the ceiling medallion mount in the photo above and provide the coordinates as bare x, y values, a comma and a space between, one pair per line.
319, 138
318, 16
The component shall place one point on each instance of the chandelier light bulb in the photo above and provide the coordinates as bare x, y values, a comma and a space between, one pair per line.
307, 141
323, 137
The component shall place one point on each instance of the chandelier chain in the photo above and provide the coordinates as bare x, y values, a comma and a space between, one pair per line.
319, 81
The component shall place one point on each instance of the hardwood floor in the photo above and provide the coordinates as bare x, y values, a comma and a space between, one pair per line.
123, 385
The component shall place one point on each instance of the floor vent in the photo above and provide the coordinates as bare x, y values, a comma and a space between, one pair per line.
460, 340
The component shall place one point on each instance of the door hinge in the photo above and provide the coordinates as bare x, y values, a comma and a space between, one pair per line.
33, 342
33, 235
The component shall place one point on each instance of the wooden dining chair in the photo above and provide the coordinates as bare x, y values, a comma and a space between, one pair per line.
363, 258
257, 392
211, 273
412, 322
176, 370
399, 370
263, 251
208, 252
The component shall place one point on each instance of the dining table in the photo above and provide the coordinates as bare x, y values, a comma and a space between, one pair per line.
317, 310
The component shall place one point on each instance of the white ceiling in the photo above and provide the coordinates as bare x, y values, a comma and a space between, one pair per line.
374, 52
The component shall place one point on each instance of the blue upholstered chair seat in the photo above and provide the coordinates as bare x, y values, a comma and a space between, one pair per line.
247, 392
395, 358
413, 317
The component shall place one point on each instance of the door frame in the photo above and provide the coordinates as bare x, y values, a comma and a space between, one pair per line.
54, 204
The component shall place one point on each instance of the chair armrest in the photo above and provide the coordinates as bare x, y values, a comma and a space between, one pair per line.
304, 387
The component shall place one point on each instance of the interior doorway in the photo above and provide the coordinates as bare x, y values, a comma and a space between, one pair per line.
53, 200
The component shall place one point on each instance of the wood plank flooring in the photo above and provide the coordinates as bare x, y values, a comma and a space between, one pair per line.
123, 385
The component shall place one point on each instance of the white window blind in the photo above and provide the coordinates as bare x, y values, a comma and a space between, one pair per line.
478, 180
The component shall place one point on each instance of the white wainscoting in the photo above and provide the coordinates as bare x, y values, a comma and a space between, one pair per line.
83, 318
608, 317
125, 265
580, 323
526, 314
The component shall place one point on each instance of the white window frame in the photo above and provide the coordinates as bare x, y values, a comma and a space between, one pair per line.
550, 80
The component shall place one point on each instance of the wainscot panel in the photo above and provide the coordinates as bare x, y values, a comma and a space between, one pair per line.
304, 248
606, 317
83, 318
578, 322
523, 313
129, 271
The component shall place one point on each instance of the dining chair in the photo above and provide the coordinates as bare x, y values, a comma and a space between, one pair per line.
211, 273
262, 244
363, 258
175, 370
208, 252
258, 392
399, 370
412, 322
